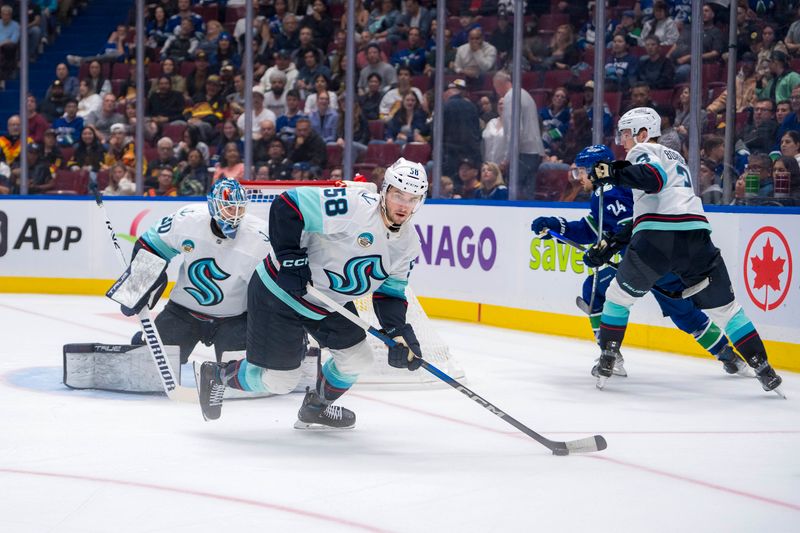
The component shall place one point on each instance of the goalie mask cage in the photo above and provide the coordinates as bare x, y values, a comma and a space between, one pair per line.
261, 194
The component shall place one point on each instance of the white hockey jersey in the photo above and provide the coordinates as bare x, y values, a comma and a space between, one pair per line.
675, 207
214, 272
350, 251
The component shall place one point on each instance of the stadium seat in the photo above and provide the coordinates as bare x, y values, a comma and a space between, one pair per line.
234, 13
550, 184
102, 179
376, 130
382, 154
105, 70
551, 21
150, 153
662, 97
66, 155
208, 12
153, 70
71, 182
174, 131
421, 82
335, 155
417, 152
187, 67
119, 71
531, 80
556, 78
541, 97
614, 101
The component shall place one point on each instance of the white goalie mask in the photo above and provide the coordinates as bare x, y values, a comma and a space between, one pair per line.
406, 176
637, 119
227, 204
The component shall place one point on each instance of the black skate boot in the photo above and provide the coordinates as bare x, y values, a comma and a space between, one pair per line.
210, 379
316, 414
733, 364
770, 381
605, 365
619, 367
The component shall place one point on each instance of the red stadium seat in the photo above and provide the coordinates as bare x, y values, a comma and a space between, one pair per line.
71, 182
376, 130
153, 70
174, 131
119, 71
417, 152
208, 12
102, 179
382, 154
531, 80
556, 78
335, 155
421, 82
187, 67
234, 13
150, 153
662, 96
541, 97
551, 184
614, 101
66, 155
551, 21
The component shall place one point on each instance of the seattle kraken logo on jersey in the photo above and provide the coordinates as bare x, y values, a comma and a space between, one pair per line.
202, 274
357, 272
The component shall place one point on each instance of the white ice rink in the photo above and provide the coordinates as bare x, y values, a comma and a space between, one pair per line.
690, 449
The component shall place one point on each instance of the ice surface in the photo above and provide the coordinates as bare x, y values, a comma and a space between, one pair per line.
689, 447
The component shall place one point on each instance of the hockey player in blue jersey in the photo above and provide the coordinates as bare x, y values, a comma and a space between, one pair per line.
349, 242
617, 221
670, 235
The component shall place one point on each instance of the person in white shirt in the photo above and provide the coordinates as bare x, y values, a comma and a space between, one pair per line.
475, 57
88, 100
260, 113
283, 63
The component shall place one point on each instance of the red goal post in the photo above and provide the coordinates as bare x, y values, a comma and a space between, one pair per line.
262, 193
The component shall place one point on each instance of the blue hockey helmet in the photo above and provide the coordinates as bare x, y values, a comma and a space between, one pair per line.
590, 155
227, 203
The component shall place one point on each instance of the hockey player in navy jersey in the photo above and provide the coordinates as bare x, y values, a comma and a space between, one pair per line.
617, 220
348, 242
670, 235
218, 245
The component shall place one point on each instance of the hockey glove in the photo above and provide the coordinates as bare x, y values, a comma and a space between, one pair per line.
541, 224
295, 273
402, 355
607, 172
602, 252
149, 299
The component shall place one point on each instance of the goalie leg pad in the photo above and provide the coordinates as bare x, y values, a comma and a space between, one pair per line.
115, 367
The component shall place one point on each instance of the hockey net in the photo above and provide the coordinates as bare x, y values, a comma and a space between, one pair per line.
261, 195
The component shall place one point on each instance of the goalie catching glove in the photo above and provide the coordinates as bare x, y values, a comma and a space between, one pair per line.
607, 172
602, 252
406, 353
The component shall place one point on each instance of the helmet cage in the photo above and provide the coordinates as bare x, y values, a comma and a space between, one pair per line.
227, 204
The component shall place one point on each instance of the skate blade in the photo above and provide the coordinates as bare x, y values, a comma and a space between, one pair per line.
779, 392
601, 382
620, 373
310, 426
746, 372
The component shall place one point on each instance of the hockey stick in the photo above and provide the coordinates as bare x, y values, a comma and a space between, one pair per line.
171, 386
600, 211
589, 444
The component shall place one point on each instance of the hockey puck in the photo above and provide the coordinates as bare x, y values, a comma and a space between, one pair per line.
560, 451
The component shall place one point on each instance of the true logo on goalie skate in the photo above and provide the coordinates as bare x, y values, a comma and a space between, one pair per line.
767, 268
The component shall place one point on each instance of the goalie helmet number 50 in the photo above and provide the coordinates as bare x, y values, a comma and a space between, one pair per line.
337, 205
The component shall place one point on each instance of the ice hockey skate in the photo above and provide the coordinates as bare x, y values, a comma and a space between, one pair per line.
770, 381
210, 381
619, 367
315, 414
733, 364
605, 365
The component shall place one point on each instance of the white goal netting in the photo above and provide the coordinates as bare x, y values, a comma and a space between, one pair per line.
434, 350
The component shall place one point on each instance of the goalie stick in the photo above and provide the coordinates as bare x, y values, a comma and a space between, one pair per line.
586, 445
168, 378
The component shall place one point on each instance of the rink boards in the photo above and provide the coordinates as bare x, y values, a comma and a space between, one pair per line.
479, 262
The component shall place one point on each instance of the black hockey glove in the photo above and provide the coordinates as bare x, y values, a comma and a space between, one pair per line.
607, 172
602, 252
402, 354
542, 223
295, 273
150, 299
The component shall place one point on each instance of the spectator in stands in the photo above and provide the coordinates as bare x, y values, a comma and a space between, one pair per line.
467, 22
308, 146
782, 110
587, 34
69, 126
640, 95
165, 104
185, 12
280, 168
745, 87
192, 175
260, 113
792, 38
786, 181
191, 141
790, 144
37, 124
492, 186
115, 49
761, 164
209, 108
780, 81
275, 98
627, 28
51, 152
196, 81
713, 151
119, 148
181, 46
620, 68
449, 52
766, 46
284, 64
324, 120
166, 184
495, 149
230, 134
661, 26
555, 118
102, 119
310, 72
468, 181
375, 65
226, 51
320, 22
370, 100
9, 43
414, 16
89, 152
40, 176
486, 110
69, 83
97, 82
409, 122
361, 133
321, 84
381, 21
236, 97
682, 115
713, 45
10, 144
6, 187
759, 135
56, 100
531, 148
275, 21
413, 55
157, 29
89, 101
588, 106
502, 39
119, 182
669, 135
230, 164
127, 90
165, 158
393, 98
461, 137
655, 69
475, 58
306, 38
562, 53
708, 185
168, 69
286, 123
289, 37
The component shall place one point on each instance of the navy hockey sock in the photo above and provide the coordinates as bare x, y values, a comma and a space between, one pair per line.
332, 383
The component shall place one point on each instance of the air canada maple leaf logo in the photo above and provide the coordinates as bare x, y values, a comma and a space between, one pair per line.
767, 268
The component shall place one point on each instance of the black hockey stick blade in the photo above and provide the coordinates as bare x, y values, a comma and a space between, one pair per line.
583, 305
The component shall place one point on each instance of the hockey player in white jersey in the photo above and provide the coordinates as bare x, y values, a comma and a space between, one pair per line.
348, 242
670, 234
219, 246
